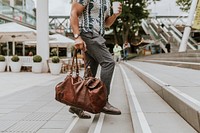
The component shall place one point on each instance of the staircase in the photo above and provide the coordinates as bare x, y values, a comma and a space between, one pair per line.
149, 101
166, 32
189, 59
178, 91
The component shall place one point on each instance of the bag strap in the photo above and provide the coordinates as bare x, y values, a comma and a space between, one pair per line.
87, 70
74, 57
86, 65
84, 60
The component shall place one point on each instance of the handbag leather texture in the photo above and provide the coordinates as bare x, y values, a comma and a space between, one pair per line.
87, 93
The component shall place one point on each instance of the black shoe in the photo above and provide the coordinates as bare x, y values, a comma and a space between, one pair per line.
109, 109
79, 112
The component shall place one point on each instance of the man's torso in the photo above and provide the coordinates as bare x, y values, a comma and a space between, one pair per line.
94, 15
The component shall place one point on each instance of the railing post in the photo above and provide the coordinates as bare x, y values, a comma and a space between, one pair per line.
187, 30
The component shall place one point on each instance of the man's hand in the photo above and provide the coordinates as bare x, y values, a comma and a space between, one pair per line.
111, 19
80, 44
120, 10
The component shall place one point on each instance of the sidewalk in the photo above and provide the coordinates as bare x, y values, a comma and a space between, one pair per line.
27, 102
13, 82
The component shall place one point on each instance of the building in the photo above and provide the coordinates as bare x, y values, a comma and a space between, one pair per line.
25, 5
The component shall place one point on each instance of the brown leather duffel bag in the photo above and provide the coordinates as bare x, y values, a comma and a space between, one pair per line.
87, 93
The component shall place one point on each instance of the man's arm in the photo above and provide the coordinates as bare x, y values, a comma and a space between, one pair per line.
110, 20
76, 11
120, 48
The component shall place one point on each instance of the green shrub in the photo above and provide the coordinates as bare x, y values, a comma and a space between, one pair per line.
2, 58
37, 58
15, 58
55, 59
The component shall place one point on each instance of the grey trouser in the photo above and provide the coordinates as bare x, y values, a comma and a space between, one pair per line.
97, 53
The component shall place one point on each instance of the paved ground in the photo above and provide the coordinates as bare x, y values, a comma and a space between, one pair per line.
27, 102
12, 82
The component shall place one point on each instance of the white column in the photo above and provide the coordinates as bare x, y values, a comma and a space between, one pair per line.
1, 7
23, 49
187, 30
12, 3
69, 52
7, 57
7, 48
13, 47
43, 31
23, 4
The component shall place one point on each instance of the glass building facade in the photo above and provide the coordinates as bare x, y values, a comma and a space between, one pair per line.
25, 5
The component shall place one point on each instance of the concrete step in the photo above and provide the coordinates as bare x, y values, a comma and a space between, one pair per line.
179, 87
181, 59
191, 65
185, 59
150, 113
195, 53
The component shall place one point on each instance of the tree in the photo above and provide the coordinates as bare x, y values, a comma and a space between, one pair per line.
184, 4
129, 22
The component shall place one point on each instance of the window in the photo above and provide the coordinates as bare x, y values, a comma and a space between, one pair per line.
18, 2
6, 1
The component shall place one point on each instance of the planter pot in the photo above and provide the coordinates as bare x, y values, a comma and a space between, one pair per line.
15, 66
55, 68
37, 67
2, 66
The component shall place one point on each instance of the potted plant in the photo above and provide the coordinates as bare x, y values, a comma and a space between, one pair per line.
2, 63
37, 64
55, 65
15, 64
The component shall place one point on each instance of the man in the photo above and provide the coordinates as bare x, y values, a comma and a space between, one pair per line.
88, 18
168, 47
117, 52
126, 45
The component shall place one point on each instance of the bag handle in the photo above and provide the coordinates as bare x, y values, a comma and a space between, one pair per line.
74, 57
87, 70
86, 66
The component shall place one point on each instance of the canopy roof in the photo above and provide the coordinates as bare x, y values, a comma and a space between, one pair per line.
61, 41
58, 41
13, 31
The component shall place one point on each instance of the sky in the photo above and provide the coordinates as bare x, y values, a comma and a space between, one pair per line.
59, 7
164, 8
